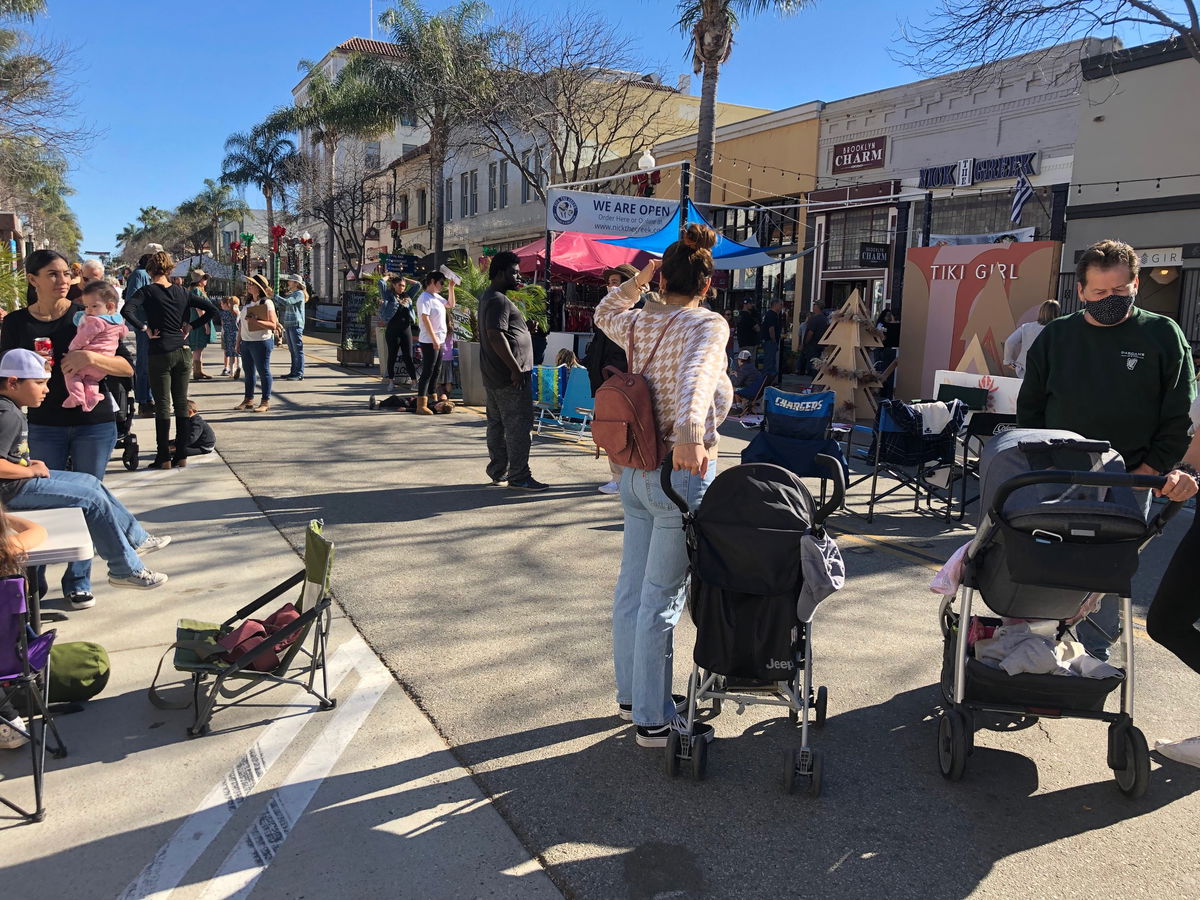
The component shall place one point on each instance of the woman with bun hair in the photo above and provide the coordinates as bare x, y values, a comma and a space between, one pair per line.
692, 395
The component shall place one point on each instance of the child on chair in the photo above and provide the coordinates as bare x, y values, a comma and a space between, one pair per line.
99, 329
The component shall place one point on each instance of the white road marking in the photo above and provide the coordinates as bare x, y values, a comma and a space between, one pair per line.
258, 846
172, 861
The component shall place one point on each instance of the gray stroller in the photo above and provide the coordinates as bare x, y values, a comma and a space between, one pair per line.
1061, 526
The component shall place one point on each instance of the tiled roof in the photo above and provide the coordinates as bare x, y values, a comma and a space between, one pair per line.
375, 48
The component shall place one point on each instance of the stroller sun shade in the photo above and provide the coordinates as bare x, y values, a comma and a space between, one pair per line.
748, 530
1053, 542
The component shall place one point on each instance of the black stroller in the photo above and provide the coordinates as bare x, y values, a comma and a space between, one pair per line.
1061, 526
759, 563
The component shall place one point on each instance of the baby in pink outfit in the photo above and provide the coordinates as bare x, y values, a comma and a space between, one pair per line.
99, 329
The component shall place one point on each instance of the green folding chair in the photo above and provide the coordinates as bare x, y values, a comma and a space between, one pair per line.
213, 677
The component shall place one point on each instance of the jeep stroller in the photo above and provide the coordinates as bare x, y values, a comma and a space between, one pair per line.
759, 562
1060, 526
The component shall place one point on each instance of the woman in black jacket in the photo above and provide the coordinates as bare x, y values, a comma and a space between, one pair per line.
161, 310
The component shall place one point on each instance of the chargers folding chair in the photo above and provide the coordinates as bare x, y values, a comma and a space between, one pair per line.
796, 431
24, 674
214, 675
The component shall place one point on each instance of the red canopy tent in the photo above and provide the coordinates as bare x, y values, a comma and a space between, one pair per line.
577, 257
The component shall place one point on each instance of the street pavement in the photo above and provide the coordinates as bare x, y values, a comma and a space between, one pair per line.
491, 608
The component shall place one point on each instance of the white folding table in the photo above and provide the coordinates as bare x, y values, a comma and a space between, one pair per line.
67, 541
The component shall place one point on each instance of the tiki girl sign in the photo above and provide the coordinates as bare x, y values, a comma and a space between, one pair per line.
962, 302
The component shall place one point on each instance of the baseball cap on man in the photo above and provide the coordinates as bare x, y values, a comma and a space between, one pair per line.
20, 363
745, 354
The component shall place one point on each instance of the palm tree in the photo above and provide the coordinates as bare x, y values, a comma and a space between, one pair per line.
710, 25
215, 204
446, 60
333, 109
266, 159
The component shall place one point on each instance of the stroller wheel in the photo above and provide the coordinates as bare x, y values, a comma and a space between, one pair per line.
699, 758
814, 780
822, 700
791, 759
952, 744
673, 754
1134, 776
129, 457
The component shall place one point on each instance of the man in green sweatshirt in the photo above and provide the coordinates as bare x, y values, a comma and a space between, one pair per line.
1115, 373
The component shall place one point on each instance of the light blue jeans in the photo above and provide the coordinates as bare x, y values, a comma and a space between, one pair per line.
85, 448
651, 589
115, 532
1099, 631
294, 334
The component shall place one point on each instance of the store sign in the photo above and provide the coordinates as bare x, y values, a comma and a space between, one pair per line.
613, 215
857, 156
873, 256
1161, 256
967, 172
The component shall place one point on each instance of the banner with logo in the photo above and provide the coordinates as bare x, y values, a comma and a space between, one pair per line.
611, 215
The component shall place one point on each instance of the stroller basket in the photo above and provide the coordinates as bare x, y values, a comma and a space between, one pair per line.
1043, 693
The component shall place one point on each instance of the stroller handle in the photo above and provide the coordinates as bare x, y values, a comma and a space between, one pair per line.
827, 462
1084, 479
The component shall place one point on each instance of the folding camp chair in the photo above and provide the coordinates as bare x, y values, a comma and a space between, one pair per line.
24, 672
980, 428
796, 430
548, 384
900, 449
751, 395
198, 654
578, 404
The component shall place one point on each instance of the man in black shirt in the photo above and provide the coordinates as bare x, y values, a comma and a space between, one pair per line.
747, 327
772, 327
506, 361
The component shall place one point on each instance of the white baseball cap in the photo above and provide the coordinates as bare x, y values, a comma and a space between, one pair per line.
20, 363
745, 354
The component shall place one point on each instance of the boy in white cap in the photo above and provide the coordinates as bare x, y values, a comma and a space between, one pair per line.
28, 484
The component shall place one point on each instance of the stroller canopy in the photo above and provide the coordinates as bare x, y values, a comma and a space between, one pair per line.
749, 529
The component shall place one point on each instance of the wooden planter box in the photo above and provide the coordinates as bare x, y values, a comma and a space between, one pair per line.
355, 357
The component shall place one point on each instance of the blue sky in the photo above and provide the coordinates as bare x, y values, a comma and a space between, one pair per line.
166, 83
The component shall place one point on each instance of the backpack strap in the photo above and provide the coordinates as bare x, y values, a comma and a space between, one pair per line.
662, 334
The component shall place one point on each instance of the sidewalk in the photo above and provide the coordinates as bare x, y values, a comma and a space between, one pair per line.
279, 801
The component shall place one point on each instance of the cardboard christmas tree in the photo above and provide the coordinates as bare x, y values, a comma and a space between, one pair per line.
846, 367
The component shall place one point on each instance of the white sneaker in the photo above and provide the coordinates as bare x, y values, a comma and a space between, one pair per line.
610, 488
143, 580
152, 543
1185, 751
10, 738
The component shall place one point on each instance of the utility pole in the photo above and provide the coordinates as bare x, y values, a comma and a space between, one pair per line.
685, 184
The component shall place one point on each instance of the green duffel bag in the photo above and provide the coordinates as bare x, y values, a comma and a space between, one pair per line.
79, 671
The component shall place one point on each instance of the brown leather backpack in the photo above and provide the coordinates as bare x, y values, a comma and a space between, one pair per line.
624, 426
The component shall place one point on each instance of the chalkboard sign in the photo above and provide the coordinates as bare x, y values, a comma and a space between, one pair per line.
354, 324
461, 321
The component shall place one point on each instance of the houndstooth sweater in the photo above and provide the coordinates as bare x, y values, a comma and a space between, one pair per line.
687, 377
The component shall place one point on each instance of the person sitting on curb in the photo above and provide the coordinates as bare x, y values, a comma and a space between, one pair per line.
27, 484
746, 380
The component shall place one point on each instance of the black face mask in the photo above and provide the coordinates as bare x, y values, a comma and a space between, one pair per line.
1111, 310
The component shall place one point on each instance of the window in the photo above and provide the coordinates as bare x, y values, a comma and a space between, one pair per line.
421, 201
986, 214
474, 192
503, 183
491, 186
852, 227
371, 152
405, 149
464, 195
403, 212
525, 192
449, 199
408, 120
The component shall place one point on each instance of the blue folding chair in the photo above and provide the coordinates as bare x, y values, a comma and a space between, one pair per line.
795, 432
548, 383
578, 404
